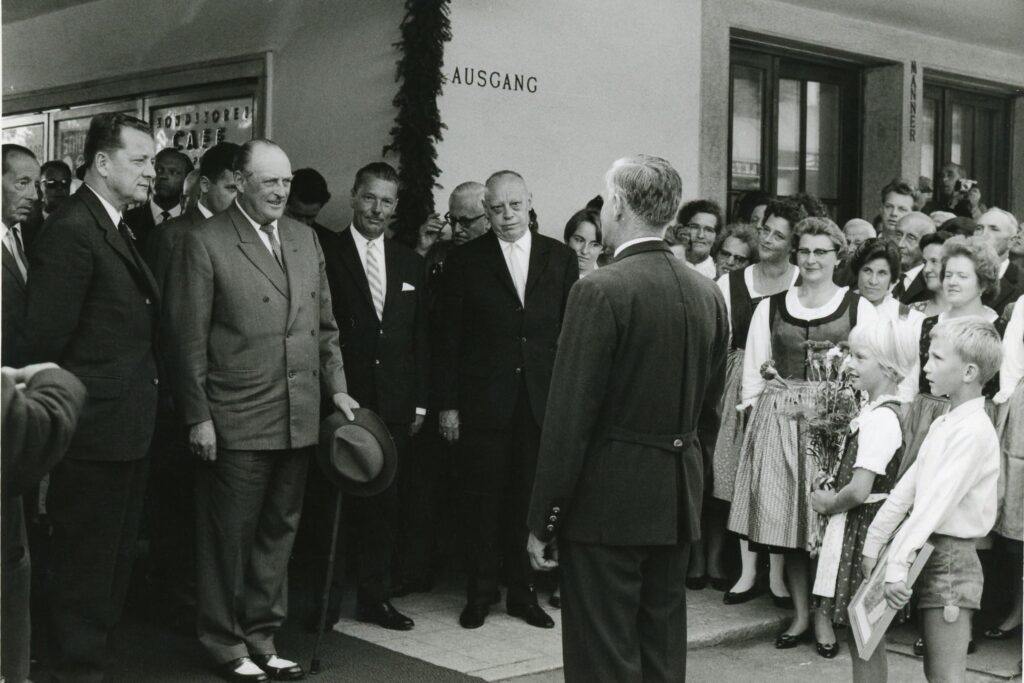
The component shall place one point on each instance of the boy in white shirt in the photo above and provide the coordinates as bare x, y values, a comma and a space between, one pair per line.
950, 493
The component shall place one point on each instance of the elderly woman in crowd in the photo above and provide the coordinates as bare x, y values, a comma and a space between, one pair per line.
771, 506
583, 235
743, 290
699, 223
735, 248
931, 253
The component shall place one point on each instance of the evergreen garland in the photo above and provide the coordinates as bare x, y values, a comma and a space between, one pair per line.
425, 29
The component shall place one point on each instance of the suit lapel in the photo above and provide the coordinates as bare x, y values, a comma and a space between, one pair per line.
254, 249
394, 277
496, 260
115, 240
538, 263
12, 265
917, 286
350, 259
292, 264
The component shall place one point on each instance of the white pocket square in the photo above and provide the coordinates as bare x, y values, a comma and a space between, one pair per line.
406, 287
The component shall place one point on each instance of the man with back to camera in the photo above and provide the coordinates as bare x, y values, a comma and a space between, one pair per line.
379, 303
253, 339
1000, 228
910, 229
898, 199
165, 203
630, 431
502, 304
217, 191
93, 308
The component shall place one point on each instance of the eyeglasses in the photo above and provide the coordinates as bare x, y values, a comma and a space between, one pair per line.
726, 254
818, 253
465, 221
697, 227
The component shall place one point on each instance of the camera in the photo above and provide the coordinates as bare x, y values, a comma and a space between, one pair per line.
964, 185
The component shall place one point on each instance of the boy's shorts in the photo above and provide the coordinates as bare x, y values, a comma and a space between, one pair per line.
951, 578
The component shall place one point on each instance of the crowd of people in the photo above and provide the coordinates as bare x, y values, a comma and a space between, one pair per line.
213, 322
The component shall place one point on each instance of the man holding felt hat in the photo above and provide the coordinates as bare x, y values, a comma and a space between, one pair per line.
253, 341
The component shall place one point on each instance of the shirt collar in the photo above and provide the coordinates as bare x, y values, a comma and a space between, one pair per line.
525, 241
636, 240
909, 276
249, 218
158, 213
115, 215
203, 210
1003, 267
361, 240
965, 409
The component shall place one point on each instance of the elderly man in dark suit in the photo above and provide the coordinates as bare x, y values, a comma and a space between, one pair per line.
41, 404
253, 338
93, 308
379, 303
20, 173
502, 303
629, 433
911, 286
999, 228
217, 191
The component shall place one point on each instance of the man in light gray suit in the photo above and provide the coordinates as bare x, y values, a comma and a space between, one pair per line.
253, 338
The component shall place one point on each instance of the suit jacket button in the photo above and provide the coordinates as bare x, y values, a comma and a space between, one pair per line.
312, 333
678, 443
155, 381
291, 374
376, 362
522, 339
556, 510
519, 371
312, 295
266, 299
552, 518
550, 527
148, 302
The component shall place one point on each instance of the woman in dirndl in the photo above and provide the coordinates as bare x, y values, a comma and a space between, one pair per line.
770, 506
743, 290
1010, 520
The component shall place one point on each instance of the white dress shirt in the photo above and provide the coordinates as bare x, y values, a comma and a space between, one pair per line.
362, 245
523, 244
1003, 267
950, 489
158, 213
1012, 369
705, 267
759, 338
636, 240
264, 237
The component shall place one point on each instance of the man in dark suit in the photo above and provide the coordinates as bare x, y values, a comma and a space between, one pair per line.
1000, 228
54, 187
379, 303
253, 338
503, 299
20, 173
172, 167
308, 197
629, 434
41, 404
911, 287
93, 308
217, 191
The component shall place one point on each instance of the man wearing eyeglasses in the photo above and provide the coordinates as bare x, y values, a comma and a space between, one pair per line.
699, 222
252, 338
54, 186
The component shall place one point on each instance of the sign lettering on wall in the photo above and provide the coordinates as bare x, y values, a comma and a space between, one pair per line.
495, 80
194, 128
912, 132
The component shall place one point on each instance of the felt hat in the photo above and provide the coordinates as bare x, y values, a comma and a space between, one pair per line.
357, 456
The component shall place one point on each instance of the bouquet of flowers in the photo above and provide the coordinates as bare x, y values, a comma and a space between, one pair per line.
826, 423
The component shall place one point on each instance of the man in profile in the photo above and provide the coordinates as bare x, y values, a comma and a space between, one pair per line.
629, 433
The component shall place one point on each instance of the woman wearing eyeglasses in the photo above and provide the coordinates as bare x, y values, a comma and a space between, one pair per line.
735, 248
699, 222
771, 505
743, 289
583, 235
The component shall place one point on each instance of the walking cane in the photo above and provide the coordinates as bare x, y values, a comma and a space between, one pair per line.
314, 665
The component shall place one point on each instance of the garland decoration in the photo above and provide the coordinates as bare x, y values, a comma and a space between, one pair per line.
425, 29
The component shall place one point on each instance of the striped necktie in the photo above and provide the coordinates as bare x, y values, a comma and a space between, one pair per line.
19, 252
373, 278
275, 245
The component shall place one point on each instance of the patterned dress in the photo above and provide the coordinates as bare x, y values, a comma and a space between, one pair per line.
858, 520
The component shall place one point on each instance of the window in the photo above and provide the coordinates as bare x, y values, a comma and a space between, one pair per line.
794, 127
969, 129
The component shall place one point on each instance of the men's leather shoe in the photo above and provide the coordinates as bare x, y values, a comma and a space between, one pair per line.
473, 615
384, 615
532, 614
292, 672
229, 671
410, 586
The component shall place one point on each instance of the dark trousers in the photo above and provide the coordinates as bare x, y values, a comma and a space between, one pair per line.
496, 469
15, 580
623, 612
368, 532
95, 508
248, 506
423, 480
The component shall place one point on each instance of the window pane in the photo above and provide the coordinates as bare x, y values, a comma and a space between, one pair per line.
822, 143
788, 178
70, 140
30, 136
962, 151
928, 115
982, 160
745, 158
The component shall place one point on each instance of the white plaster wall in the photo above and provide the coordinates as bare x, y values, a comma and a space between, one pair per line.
613, 78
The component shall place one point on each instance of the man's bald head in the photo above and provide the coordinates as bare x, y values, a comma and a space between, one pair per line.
909, 231
507, 202
858, 231
466, 211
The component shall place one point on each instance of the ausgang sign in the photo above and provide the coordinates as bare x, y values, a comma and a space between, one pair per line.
494, 80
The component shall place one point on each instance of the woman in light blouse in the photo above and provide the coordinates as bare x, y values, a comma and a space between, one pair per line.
771, 506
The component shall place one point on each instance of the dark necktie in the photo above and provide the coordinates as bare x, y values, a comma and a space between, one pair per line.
899, 290
275, 245
164, 215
